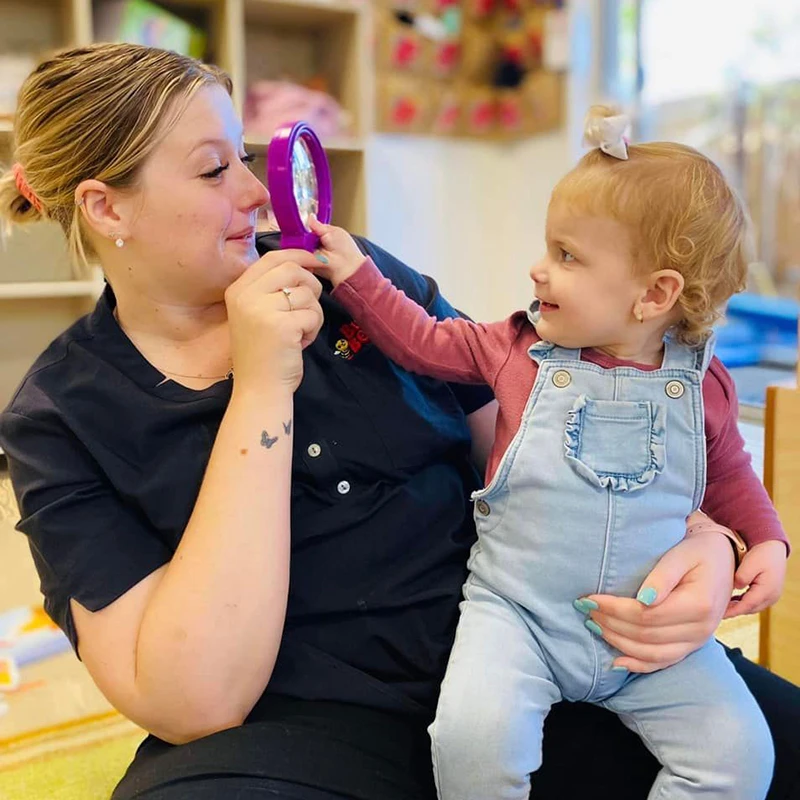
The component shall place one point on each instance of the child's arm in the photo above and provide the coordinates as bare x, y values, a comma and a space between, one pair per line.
452, 350
736, 497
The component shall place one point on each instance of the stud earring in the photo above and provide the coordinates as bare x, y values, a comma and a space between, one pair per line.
119, 241
638, 314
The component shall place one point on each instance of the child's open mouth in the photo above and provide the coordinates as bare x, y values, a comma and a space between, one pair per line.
545, 307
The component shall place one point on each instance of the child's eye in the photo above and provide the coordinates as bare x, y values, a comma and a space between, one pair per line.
248, 158
566, 256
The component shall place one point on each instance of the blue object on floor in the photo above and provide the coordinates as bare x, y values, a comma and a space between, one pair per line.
737, 343
776, 313
758, 330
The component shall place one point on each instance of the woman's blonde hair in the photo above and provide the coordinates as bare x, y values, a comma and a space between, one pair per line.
682, 214
93, 112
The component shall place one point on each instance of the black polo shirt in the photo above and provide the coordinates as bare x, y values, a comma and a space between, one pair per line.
107, 461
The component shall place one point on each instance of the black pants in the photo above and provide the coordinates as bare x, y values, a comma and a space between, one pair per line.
242, 787
587, 753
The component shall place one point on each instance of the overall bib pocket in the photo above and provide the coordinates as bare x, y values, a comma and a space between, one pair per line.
616, 444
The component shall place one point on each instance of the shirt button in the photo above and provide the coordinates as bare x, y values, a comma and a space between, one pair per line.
343, 487
562, 378
314, 450
483, 508
674, 389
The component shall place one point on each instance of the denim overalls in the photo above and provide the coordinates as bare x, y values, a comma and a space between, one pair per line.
594, 488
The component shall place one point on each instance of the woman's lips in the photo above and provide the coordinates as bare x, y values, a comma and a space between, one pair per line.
247, 238
245, 233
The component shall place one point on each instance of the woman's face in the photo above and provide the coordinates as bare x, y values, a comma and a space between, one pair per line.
190, 225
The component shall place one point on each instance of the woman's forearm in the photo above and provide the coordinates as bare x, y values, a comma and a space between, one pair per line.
211, 630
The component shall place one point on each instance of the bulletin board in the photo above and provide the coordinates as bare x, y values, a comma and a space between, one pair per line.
490, 69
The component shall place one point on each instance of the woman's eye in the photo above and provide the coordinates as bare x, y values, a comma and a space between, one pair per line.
247, 158
566, 256
215, 173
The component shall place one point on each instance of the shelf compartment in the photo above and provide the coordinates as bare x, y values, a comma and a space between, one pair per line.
303, 41
33, 27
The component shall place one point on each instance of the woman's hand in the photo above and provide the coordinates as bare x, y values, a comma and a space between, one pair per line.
273, 313
679, 606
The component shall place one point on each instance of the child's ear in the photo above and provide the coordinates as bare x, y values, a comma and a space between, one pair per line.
662, 290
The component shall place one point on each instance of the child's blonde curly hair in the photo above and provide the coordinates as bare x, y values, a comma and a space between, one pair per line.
682, 215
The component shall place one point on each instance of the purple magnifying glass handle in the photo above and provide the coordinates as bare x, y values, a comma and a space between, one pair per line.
299, 181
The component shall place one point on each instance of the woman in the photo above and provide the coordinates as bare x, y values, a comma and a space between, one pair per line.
158, 447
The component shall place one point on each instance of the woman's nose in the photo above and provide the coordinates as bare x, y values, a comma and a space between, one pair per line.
254, 193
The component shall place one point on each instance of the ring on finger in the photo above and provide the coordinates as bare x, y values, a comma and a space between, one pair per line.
287, 293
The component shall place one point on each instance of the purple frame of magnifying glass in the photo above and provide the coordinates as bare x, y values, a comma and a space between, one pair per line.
280, 182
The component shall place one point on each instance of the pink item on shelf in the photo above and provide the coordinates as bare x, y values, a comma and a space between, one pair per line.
270, 104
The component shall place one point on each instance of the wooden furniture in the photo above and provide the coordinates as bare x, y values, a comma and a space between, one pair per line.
251, 39
780, 625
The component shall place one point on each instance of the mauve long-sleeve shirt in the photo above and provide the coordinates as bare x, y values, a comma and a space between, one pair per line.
496, 354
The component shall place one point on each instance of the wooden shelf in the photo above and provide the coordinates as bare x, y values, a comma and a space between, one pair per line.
42, 290
258, 145
306, 14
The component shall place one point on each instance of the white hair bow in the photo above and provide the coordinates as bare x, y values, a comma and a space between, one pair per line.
607, 133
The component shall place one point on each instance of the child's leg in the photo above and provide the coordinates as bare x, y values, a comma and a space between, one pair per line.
487, 735
703, 725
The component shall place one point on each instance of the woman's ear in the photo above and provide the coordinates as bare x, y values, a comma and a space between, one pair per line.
103, 208
661, 293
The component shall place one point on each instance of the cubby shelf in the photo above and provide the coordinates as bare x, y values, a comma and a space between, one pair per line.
30, 290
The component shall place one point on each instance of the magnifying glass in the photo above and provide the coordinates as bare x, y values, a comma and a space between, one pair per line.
299, 181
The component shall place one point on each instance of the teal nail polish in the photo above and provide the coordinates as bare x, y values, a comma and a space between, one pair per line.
647, 596
619, 669
593, 627
584, 605
321, 258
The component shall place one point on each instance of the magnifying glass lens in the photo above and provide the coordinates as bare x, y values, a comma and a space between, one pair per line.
304, 181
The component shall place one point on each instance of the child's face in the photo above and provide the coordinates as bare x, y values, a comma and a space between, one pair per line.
586, 283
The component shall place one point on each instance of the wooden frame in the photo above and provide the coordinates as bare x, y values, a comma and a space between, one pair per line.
780, 625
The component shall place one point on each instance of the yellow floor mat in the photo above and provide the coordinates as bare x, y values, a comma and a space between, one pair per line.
81, 768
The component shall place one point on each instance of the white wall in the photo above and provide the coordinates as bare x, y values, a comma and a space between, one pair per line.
469, 214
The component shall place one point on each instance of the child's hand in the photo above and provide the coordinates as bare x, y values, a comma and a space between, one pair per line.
763, 569
338, 254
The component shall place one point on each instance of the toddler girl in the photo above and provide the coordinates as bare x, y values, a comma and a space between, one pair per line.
614, 421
